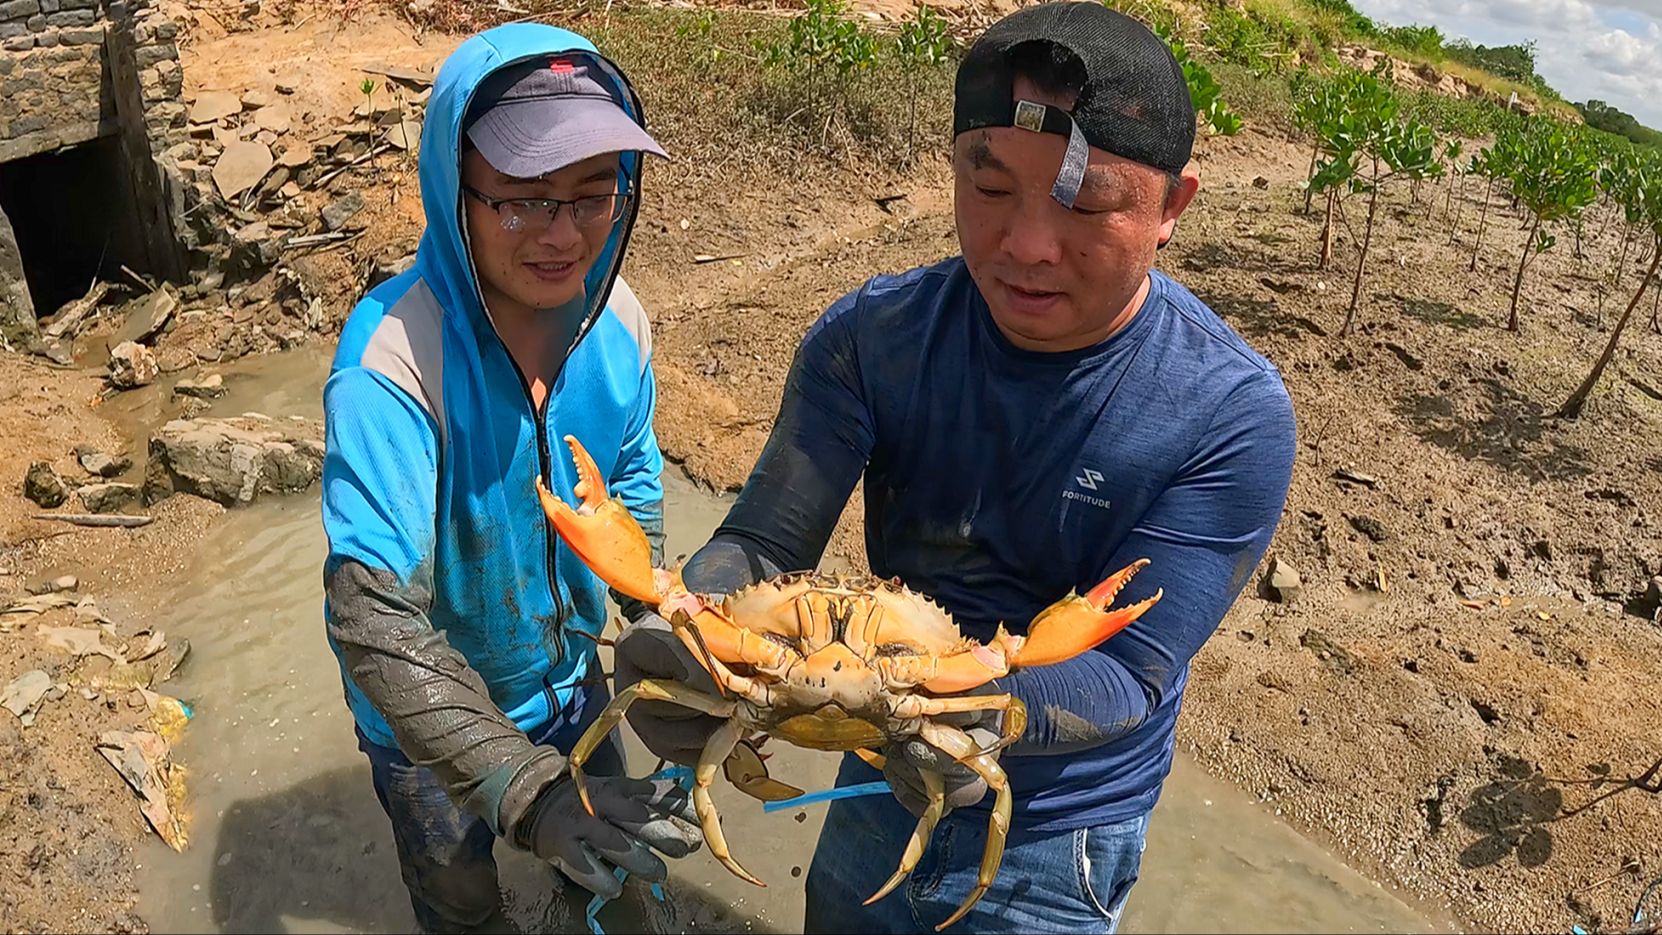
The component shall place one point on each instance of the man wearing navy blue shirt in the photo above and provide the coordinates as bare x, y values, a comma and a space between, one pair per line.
1028, 418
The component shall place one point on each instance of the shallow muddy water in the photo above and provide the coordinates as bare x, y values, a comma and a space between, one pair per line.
287, 835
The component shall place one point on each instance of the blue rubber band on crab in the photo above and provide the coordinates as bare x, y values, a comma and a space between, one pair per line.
683, 777
826, 795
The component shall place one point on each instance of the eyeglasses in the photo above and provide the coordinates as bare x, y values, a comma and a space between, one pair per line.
536, 214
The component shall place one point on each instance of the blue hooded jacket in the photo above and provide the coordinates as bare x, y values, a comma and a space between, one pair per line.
451, 603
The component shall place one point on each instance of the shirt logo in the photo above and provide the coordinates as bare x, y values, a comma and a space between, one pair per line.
1089, 479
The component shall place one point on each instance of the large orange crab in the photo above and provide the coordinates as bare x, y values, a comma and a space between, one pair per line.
826, 662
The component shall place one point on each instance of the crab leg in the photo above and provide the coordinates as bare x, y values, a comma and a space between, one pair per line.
725, 640
961, 748
716, 751
1074, 624
601, 531
652, 690
936, 787
1014, 722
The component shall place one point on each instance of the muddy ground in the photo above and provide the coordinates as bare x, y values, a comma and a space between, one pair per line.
1462, 700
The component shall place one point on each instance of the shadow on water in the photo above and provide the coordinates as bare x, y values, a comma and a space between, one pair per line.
1511, 432
321, 852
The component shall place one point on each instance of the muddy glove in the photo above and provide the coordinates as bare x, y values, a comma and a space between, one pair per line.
648, 649
903, 761
632, 817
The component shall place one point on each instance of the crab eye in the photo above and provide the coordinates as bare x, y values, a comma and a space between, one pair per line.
897, 649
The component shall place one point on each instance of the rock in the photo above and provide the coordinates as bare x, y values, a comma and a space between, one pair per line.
108, 498
1356, 477
232, 461
1260, 182
148, 316
57, 353
212, 106
55, 585
256, 246
44, 487
131, 365
211, 386
255, 99
1328, 651
240, 167
384, 269
1283, 583
1370, 527
290, 190
341, 210
100, 464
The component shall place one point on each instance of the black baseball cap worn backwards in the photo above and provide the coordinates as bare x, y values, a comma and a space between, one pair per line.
1134, 102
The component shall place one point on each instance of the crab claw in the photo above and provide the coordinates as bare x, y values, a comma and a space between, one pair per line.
1074, 624
601, 531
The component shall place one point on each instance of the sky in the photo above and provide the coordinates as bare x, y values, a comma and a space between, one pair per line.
1609, 50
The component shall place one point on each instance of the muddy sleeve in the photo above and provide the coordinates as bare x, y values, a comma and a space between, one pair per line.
819, 446
1203, 536
638, 479
379, 483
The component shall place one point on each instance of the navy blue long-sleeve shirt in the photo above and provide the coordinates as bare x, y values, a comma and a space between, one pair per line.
997, 479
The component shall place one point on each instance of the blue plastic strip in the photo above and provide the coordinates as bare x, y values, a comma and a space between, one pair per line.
826, 795
682, 775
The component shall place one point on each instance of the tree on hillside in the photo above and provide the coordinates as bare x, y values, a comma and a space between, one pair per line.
1642, 187
1554, 175
1602, 116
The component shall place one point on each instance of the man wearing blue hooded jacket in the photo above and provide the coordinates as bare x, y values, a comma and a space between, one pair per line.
458, 618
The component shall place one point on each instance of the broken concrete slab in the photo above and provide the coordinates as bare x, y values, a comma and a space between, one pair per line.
148, 316
296, 155
276, 118
240, 167
211, 106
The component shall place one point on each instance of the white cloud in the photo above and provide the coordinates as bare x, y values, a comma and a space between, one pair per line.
1578, 51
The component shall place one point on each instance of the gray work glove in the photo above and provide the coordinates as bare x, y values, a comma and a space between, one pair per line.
648, 649
904, 759
632, 817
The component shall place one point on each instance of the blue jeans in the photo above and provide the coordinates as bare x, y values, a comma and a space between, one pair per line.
444, 854
1065, 881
